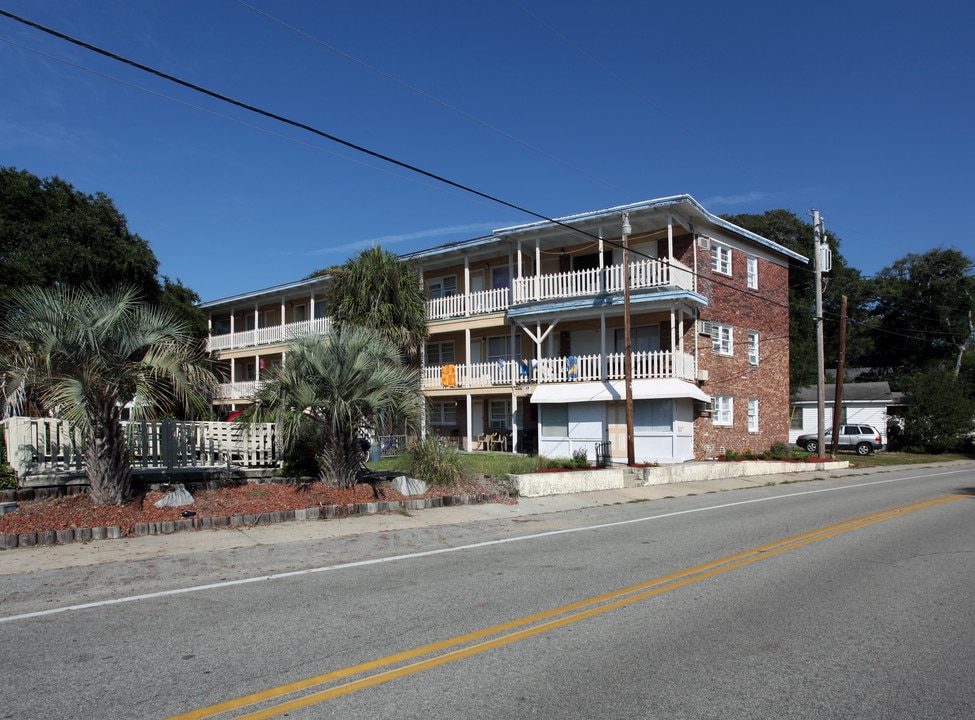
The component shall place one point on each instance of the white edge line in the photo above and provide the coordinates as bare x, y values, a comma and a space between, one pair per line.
441, 551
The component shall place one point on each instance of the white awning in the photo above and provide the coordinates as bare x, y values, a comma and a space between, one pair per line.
616, 390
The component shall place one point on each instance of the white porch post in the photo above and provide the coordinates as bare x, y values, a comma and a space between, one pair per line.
284, 313
467, 285
470, 422
604, 360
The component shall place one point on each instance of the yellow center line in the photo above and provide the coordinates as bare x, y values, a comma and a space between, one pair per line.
519, 629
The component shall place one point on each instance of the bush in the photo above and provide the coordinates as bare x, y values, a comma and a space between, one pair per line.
434, 463
303, 457
8, 479
580, 458
778, 451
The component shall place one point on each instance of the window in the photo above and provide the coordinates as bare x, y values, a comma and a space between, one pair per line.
643, 339
752, 272
300, 313
722, 340
653, 415
443, 413
440, 353
796, 422
443, 287
555, 420
753, 415
500, 277
499, 415
591, 261
721, 259
499, 348
221, 326
724, 409
752, 347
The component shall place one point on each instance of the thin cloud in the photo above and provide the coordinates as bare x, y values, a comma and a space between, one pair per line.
472, 229
743, 199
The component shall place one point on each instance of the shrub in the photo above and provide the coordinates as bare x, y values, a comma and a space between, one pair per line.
778, 451
434, 463
580, 458
303, 457
730, 454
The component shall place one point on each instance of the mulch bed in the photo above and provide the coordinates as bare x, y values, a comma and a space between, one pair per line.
244, 501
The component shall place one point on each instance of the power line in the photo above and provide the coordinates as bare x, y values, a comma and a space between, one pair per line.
428, 96
345, 143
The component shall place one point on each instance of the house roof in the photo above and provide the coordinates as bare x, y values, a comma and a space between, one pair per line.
868, 392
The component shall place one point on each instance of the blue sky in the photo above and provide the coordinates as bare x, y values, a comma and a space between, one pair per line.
861, 110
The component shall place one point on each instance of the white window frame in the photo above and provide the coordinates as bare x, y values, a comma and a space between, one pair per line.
753, 415
722, 339
720, 258
443, 413
724, 409
443, 358
753, 341
442, 287
751, 265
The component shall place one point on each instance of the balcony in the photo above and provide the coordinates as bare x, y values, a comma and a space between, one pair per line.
267, 335
646, 366
484, 302
237, 390
644, 274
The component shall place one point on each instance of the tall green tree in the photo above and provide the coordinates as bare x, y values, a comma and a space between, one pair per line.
940, 411
375, 289
52, 234
924, 310
787, 229
88, 354
340, 385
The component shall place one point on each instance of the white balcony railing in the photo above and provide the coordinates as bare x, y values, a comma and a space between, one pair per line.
268, 335
644, 274
646, 365
237, 390
477, 303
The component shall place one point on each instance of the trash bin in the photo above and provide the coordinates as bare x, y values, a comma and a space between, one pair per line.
375, 454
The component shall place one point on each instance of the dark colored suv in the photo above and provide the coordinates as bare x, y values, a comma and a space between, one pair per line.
864, 439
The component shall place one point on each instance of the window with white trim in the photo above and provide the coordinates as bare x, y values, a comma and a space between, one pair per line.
752, 347
724, 409
751, 265
722, 339
721, 258
753, 415
443, 413
440, 353
442, 287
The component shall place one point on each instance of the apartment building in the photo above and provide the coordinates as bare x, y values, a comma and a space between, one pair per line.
526, 338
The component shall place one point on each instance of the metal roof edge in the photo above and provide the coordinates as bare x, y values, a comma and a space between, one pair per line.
265, 291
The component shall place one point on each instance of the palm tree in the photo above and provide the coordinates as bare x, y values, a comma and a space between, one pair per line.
343, 383
376, 289
87, 354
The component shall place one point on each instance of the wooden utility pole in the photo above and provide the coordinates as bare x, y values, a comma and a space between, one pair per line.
840, 371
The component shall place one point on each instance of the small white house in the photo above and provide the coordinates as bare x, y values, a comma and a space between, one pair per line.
864, 403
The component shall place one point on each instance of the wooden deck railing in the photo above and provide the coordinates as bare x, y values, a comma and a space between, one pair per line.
38, 446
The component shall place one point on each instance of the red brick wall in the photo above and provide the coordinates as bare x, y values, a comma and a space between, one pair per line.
766, 311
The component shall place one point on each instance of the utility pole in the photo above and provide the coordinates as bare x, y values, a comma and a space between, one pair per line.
840, 371
627, 346
820, 361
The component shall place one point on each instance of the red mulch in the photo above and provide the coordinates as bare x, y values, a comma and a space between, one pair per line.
78, 511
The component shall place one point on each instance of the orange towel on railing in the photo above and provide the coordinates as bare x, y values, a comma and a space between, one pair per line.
448, 376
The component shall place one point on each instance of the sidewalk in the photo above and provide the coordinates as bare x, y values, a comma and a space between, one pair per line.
52, 557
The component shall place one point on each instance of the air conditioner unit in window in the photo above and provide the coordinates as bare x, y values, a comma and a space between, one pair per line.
704, 242
704, 327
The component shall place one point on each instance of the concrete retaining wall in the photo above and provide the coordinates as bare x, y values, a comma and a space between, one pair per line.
563, 483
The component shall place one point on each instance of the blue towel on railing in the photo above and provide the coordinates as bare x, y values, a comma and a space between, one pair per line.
572, 370
523, 368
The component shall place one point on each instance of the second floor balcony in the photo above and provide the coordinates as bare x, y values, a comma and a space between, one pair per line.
571, 368
270, 335
645, 274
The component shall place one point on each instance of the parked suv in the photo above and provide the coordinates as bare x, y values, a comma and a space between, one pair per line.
865, 439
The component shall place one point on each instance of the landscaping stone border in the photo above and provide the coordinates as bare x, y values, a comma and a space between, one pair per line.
167, 527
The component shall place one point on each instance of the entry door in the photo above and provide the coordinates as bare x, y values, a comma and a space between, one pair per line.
616, 428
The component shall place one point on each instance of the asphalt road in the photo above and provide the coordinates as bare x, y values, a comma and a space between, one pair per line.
851, 596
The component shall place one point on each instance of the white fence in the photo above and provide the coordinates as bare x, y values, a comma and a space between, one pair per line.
645, 365
41, 446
